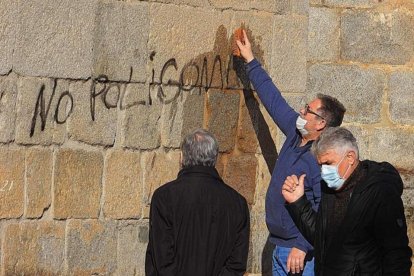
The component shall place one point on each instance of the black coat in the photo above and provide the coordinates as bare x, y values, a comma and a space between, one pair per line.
372, 238
198, 226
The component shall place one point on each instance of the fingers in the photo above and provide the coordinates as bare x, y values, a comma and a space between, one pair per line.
245, 38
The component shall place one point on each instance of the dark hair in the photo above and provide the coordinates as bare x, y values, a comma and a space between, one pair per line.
199, 148
331, 110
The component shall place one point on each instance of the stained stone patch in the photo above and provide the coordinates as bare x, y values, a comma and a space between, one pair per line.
223, 119
240, 173
39, 166
34, 248
77, 184
123, 185
91, 247
11, 183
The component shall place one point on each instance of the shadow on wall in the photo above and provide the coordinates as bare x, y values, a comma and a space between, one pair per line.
219, 69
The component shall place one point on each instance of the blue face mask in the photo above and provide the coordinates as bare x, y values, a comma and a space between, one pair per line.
331, 175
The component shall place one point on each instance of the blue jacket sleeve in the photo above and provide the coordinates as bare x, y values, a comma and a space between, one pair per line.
280, 111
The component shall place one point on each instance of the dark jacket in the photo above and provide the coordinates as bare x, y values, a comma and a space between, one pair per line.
198, 226
372, 238
292, 159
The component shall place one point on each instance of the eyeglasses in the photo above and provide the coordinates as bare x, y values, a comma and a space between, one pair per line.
308, 110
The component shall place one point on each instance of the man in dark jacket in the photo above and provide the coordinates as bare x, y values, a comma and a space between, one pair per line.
301, 129
198, 224
360, 227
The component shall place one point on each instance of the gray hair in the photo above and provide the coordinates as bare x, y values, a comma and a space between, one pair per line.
199, 148
337, 138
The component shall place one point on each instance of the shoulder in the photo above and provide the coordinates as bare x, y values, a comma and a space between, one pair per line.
383, 178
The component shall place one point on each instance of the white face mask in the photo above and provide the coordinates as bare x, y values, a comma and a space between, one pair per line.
300, 125
330, 175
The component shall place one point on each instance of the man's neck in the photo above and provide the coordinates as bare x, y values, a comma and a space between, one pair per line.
307, 138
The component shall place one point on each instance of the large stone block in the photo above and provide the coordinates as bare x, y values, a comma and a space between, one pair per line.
94, 116
39, 166
360, 90
11, 183
408, 200
290, 36
132, 245
401, 97
247, 138
8, 95
362, 135
223, 117
91, 247
55, 39
34, 248
181, 36
393, 145
77, 189
123, 185
120, 42
8, 14
377, 37
323, 35
159, 167
240, 173
38, 107
141, 121
180, 117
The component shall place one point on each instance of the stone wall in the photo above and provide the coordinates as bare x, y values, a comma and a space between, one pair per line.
96, 95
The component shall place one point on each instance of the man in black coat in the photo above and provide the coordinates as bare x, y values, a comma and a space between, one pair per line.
198, 224
360, 227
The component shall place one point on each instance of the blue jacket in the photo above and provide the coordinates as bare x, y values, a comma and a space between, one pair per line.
293, 159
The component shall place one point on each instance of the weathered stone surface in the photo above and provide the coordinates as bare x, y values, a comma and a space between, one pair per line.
77, 188
401, 97
189, 35
193, 3
240, 173
94, 116
263, 5
8, 95
351, 3
159, 168
123, 185
37, 105
132, 245
360, 90
120, 44
11, 183
180, 117
142, 119
91, 247
288, 67
377, 37
39, 166
362, 136
223, 118
34, 248
8, 14
260, 254
323, 35
407, 198
316, 2
55, 39
393, 145
247, 134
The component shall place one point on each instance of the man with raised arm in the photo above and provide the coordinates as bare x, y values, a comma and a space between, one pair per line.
292, 253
